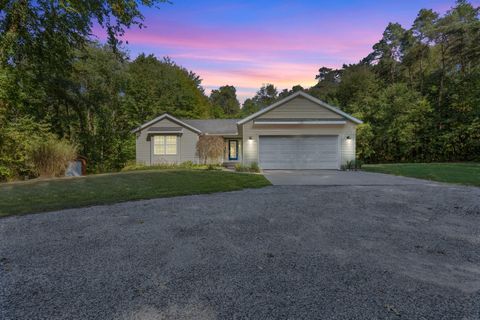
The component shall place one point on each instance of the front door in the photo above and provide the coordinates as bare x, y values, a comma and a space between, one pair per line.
232, 149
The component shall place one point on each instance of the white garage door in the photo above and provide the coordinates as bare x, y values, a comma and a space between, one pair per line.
299, 152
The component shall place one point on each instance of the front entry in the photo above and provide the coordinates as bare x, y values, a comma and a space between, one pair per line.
232, 149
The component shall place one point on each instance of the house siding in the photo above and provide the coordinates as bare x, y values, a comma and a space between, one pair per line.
300, 108
186, 146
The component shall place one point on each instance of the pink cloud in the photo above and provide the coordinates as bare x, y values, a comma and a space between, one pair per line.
186, 37
249, 57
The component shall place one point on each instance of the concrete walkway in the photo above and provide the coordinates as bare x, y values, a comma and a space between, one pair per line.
337, 178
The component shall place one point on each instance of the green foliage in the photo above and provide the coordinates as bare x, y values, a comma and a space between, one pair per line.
50, 157
102, 98
352, 165
253, 167
249, 107
418, 92
225, 99
155, 87
46, 31
17, 137
213, 167
264, 97
52, 75
133, 166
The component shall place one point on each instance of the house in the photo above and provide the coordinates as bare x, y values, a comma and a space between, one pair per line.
297, 132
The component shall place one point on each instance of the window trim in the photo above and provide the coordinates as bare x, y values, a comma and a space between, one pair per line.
162, 145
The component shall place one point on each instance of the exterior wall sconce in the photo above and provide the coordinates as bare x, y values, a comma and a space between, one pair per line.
349, 138
250, 138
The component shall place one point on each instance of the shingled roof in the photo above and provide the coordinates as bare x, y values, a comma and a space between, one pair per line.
215, 126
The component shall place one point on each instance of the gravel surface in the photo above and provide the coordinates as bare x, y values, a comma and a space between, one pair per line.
281, 252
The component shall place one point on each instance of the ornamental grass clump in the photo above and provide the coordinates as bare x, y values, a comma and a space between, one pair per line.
50, 158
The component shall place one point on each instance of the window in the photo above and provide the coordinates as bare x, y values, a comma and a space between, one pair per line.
164, 145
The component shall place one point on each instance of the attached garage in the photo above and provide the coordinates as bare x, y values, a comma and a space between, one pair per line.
299, 132
299, 152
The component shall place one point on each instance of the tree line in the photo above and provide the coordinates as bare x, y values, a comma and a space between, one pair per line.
418, 91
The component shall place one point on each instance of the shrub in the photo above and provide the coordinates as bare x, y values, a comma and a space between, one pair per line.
243, 168
210, 148
16, 139
187, 164
133, 166
352, 165
240, 167
254, 167
50, 158
349, 165
5, 173
358, 164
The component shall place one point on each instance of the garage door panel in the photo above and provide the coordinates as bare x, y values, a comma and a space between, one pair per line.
298, 152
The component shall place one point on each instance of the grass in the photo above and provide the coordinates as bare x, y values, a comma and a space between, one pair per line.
46, 195
467, 173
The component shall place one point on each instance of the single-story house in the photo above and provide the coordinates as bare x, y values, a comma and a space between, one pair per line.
297, 132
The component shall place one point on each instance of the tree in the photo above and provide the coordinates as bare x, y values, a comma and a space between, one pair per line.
97, 117
158, 86
328, 80
285, 92
249, 107
210, 148
388, 52
265, 96
36, 30
48, 75
225, 98
423, 32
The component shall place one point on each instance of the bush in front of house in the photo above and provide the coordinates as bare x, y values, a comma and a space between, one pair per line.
210, 148
50, 157
133, 166
352, 165
253, 167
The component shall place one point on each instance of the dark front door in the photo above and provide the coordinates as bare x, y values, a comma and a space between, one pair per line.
232, 149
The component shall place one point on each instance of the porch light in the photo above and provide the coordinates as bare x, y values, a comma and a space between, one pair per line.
349, 138
250, 138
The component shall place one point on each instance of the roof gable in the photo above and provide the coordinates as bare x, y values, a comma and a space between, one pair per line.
330, 111
169, 117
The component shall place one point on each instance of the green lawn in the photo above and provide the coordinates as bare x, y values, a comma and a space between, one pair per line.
36, 196
467, 173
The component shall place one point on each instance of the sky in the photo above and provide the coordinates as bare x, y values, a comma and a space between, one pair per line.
250, 43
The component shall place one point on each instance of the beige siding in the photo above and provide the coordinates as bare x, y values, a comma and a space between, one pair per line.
250, 147
186, 146
300, 108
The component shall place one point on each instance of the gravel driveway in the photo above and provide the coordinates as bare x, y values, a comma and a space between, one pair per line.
281, 252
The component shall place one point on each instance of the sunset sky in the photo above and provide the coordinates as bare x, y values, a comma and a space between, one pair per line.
249, 43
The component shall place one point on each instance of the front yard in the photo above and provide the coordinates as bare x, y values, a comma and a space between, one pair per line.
467, 173
46, 195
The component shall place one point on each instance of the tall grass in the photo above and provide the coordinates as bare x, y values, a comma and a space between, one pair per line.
50, 158
253, 167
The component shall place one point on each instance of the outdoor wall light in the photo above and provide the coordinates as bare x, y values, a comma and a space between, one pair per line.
250, 138
348, 138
